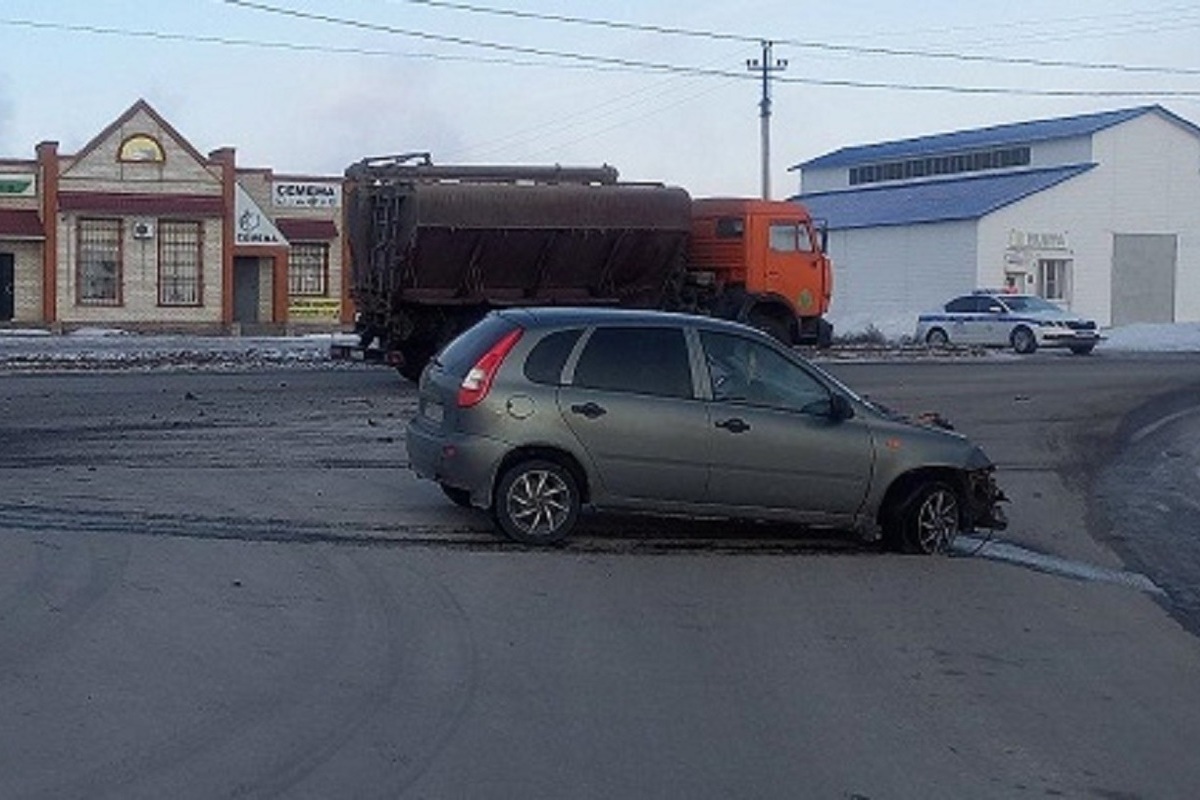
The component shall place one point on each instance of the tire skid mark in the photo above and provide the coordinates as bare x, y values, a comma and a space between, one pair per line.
622, 537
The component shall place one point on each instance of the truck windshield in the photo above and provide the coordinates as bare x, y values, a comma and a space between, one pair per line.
790, 237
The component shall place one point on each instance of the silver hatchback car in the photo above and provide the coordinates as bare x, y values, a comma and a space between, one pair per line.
534, 414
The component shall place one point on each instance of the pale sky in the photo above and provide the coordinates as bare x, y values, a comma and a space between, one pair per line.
661, 91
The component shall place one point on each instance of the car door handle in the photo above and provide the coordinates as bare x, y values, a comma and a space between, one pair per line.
734, 425
589, 410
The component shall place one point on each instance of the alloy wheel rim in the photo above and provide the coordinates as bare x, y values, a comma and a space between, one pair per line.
937, 522
539, 502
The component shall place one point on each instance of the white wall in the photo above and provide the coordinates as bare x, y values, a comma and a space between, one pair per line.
887, 276
1153, 186
1147, 182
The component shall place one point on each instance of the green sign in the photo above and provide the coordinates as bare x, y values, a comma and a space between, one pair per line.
16, 184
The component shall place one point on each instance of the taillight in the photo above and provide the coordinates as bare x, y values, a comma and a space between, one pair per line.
478, 380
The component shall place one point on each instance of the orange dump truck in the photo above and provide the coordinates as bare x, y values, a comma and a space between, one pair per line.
434, 248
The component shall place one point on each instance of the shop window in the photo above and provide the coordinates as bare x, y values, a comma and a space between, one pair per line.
308, 270
180, 263
98, 265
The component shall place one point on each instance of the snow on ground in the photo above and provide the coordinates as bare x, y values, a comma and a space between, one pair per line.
103, 348
34, 350
1182, 337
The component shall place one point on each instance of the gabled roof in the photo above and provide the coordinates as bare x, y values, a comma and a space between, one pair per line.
969, 197
1014, 134
115, 125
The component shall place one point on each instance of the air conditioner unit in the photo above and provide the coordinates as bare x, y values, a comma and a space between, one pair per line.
143, 229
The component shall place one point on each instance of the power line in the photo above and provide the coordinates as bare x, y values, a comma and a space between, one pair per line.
543, 56
800, 43
190, 38
674, 68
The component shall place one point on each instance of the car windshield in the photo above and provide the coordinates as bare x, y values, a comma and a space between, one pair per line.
1024, 303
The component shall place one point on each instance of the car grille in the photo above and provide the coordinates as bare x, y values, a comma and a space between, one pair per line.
1081, 325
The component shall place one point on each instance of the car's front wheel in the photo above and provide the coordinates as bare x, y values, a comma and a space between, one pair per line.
1082, 349
931, 521
536, 502
1023, 340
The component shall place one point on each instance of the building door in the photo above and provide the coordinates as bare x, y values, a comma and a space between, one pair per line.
245, 289
7, 287
1143, 277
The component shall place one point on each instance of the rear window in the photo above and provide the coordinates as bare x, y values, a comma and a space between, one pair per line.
640, 360
547, 358
463, 352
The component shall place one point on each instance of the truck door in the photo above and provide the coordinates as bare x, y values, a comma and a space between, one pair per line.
790, 266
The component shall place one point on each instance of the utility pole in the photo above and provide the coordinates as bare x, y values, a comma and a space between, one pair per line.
767, 65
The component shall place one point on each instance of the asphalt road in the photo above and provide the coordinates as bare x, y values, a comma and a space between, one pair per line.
227, 585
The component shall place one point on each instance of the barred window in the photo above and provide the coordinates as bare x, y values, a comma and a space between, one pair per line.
98, 269
180, 263
308, 270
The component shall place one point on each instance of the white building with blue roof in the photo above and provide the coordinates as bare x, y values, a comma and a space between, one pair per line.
1098, 212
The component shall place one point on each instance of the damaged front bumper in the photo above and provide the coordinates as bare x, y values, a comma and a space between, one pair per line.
984, 499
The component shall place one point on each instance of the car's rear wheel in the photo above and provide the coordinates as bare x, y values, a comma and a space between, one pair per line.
937, 338
536, 502
1023, 340
931, 521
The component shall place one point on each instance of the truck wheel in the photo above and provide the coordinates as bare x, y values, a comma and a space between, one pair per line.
937, 338
1023, 340
930, 523
536, 502
771, 324
416, 356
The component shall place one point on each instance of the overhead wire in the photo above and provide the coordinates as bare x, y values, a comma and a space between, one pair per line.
665, 30
720, 73
534, 56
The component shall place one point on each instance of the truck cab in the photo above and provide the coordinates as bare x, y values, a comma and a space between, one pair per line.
765, 264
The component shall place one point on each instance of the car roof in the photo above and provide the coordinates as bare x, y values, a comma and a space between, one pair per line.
997, 293
559, 316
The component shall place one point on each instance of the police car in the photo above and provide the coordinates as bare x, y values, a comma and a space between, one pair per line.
997, 319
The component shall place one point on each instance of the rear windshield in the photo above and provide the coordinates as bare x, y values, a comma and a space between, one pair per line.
463, 352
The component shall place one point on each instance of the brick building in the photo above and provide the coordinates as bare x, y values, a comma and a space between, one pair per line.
140, 230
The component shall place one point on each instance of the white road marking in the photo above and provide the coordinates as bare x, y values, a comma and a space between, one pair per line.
1013, 554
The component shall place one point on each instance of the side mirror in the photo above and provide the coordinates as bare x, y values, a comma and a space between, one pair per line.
840, 408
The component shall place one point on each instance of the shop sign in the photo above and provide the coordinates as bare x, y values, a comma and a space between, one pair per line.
251, 225
20, 185
306, 194
1029, 240
314, 309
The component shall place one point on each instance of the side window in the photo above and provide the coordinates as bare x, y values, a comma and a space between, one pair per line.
730, 228
961, 305
746, 371
545, 361
783, 237
641, 360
